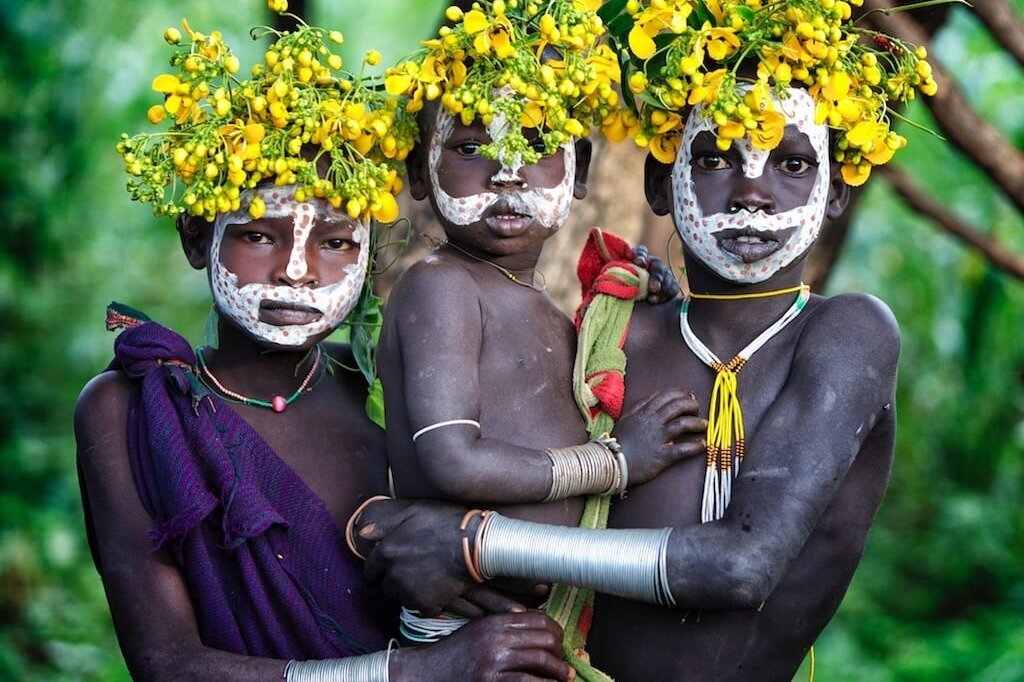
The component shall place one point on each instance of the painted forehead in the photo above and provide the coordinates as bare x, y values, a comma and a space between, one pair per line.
281, 203
797, 109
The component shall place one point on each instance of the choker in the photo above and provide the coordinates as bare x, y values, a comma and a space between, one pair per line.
758, 294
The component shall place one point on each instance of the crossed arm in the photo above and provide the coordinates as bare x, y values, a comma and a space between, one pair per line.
841, 386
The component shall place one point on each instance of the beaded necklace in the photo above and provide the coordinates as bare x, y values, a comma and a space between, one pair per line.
278, 403
725, 438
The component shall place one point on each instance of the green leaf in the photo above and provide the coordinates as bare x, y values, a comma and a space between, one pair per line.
745, 12
703, 13
620, 26
611, 9
375, 404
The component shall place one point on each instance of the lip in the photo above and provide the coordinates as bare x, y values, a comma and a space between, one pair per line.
506, 221
283, 314
749, 245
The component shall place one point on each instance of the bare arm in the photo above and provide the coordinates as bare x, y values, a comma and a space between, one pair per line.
841, 383
152, 611
148, 597
437, 321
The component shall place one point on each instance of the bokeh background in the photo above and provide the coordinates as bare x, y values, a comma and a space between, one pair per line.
940, 592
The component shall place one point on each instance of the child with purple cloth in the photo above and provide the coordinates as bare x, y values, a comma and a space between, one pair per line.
214, 480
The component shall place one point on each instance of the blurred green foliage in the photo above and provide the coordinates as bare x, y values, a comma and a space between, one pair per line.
940, 593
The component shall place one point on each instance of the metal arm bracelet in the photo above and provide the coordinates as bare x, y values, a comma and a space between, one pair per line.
629, 563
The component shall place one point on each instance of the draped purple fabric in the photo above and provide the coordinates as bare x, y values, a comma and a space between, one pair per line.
265, 563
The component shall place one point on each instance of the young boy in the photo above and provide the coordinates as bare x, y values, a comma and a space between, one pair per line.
215, 481
757, 543
475, 359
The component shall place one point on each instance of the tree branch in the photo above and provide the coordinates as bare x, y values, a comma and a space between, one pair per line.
924, 204
1004, 24
967, 131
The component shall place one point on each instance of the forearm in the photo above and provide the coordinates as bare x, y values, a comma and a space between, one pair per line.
480, 470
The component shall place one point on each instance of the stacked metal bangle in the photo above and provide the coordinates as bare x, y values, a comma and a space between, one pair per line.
369, 668
596, 467
629, 563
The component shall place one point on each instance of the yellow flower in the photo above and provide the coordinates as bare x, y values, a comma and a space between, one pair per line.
654, 19
719, 42
496, 35
664, 147
856, 175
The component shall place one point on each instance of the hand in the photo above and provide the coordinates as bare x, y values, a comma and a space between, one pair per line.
658, 432
518, 646
418, 556
662, 285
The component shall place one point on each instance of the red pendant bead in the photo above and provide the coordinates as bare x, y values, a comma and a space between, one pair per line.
278, 403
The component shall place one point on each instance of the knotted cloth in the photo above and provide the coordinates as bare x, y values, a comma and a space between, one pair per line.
262, 556
610, 283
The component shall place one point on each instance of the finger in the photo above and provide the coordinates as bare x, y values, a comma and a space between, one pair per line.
682, 427
381, 518
692, 447
536, 662
676, 403
670, 403
491, 601
462, 607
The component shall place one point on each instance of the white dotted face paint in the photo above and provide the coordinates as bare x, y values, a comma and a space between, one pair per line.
548, 206
700, 233
334, 301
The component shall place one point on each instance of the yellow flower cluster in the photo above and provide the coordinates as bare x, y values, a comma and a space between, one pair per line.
547, 52
298, 119
680, 53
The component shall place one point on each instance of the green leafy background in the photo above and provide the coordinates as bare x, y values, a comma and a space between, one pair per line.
940, 593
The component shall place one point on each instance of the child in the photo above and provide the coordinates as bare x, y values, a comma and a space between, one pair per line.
757, 543
475, 359
214, 481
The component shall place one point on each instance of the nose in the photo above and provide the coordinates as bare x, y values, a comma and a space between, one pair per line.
508, 178
752, 194
299, 270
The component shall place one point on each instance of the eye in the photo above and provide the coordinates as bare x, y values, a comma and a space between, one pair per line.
711, 161
468, 148
253, 237
339, 244
795, 165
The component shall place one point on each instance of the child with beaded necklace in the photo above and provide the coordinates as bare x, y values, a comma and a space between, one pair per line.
754, 545
215, 481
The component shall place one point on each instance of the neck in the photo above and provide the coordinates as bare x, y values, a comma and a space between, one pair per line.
737, 320
521, 265
247, 366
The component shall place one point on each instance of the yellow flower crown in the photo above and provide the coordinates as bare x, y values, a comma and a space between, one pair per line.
545, 51
679, 53
228, 135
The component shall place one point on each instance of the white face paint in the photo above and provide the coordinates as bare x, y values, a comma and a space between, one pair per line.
548, 206
700, 232
334, 301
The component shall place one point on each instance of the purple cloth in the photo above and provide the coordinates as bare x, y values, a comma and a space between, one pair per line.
265, 563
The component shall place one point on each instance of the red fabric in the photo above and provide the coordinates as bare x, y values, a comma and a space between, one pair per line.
602, 251
585, 619
610, 392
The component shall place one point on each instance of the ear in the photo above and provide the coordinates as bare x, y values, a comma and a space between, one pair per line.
658, 185
584, 153
417, 171
838, 193
195, 234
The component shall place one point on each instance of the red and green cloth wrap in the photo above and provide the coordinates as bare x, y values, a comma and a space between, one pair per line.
611, 282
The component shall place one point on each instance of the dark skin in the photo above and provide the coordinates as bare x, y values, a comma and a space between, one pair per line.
755, 588
462, 341
325, 437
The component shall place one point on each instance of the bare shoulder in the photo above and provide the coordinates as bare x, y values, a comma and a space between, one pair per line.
856, 322
433, 282
100, 411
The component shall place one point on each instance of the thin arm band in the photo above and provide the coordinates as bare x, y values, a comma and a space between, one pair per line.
629, 563
450, 422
